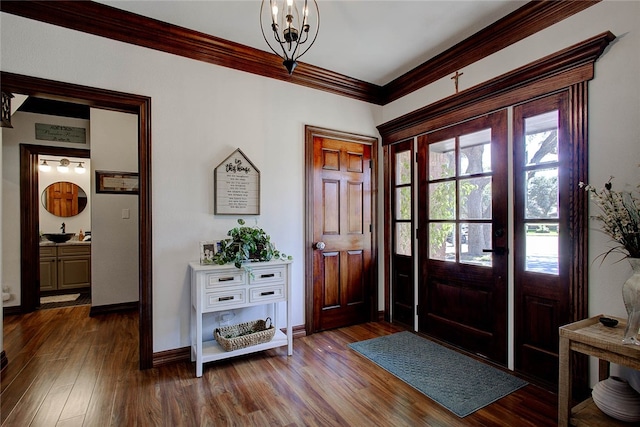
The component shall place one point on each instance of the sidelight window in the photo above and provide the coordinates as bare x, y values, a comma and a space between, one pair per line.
403, 236
541, 194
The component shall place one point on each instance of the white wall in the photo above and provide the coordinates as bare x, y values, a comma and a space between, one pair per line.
200, 114
23, 132
614, 112
114, 247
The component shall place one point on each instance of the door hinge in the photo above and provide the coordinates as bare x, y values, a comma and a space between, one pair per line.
370, 228
370, 164
417, 310
416, 157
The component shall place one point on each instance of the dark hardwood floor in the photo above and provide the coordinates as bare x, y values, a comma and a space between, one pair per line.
69, 369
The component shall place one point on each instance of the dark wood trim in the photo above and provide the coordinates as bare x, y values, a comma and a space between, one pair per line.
30, 219
558, 70
579, 229
388, 232
3, 360
119, 101
106, 21
116, 24
169, 357
299, 332
113, 308
310, 133
531, 18
8, 311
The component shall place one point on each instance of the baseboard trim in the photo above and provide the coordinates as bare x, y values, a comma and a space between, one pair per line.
8, 311
169, 357
113, 308
3, 361
183, 354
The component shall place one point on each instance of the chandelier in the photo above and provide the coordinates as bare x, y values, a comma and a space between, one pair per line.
290, 24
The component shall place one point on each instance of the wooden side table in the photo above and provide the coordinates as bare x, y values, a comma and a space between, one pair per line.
590, 337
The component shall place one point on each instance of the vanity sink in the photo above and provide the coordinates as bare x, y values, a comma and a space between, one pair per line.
59, 237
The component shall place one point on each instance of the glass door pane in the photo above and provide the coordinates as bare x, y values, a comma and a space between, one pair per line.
462, 193
541, 194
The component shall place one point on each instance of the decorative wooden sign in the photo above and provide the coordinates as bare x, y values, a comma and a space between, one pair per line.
117, 182
236, 186
61, 133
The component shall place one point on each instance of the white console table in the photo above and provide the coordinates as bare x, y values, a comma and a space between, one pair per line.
217, 288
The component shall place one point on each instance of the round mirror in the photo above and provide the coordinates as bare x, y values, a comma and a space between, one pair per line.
64, 199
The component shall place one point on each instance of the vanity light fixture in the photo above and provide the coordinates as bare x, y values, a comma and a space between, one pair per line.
63, 167
44, 166
291, 29
80, 169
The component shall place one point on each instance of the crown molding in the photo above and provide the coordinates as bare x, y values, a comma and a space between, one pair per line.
106, 21
529, 19
561, 69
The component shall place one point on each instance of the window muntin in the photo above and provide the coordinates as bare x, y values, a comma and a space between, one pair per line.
460, 199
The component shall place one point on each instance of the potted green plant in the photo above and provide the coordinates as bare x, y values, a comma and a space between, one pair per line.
247, 244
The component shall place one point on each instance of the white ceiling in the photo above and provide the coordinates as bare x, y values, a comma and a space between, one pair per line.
371, 40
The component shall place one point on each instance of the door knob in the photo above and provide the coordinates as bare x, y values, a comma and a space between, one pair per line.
319, 245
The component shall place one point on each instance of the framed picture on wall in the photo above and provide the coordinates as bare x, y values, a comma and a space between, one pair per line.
117, 182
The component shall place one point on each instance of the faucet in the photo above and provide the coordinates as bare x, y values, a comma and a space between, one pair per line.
62, 228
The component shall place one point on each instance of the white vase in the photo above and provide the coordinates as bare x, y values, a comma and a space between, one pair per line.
615, 397
631, 298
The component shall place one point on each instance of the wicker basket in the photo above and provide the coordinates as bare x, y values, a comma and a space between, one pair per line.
244, 334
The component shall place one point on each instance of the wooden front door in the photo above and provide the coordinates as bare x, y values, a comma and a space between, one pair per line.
341, 288
462, 172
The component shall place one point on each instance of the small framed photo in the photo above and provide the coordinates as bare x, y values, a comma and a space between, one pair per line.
117, 182
207, 250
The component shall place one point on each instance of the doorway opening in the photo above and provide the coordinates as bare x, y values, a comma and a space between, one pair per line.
110, 100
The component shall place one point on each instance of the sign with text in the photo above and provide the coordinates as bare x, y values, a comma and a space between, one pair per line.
237, 186
59, 133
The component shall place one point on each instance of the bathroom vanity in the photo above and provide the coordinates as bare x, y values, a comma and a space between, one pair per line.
65, 266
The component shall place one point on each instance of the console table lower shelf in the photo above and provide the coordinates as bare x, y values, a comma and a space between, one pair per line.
211, 350
589, 337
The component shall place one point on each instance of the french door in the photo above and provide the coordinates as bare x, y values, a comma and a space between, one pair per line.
463, 235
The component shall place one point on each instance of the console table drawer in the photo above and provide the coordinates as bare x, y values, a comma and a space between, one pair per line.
267, 275
224, 278
273, 293
225, 298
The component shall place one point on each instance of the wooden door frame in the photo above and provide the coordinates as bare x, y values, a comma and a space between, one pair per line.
568, 69
310, 133
30, 217
105, 99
